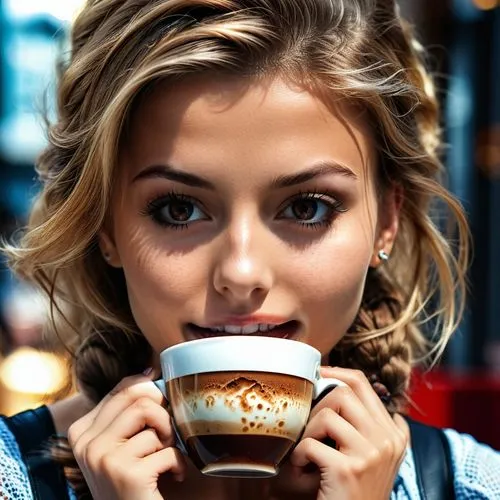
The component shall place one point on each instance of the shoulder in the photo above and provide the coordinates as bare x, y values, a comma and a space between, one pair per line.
476, 470
476, 467
15, 483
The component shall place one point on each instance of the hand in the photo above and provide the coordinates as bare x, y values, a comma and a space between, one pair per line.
126, 442
370, 444
66, 411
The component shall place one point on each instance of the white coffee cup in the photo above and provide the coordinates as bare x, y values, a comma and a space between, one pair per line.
240, 403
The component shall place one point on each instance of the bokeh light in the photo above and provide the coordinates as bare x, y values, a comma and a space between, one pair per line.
31, 371
486, 4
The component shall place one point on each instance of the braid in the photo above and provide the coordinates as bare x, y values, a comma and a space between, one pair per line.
385, 358
106, 358
102, 361
384, 340
361, 50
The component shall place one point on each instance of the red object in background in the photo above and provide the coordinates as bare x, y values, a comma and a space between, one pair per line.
468, 403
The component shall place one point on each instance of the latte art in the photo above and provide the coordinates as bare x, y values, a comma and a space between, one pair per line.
215, 409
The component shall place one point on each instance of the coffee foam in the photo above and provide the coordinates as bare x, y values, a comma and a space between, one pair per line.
241, 403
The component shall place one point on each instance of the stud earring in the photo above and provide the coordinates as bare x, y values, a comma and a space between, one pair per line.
106, 256
383, 255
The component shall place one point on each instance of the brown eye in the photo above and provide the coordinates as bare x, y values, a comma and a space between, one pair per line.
175, 211
304, 209
312, 210
180, 211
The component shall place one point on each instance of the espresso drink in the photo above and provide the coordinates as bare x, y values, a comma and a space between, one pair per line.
239, 423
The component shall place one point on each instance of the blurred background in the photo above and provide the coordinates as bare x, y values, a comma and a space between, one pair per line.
463, 39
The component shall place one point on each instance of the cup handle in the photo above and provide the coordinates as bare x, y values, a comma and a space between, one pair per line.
322, 384
160, 384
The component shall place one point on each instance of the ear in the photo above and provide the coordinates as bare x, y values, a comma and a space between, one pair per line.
108, 248
388, 223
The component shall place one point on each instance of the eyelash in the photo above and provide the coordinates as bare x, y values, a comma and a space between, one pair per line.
333, 206
156, 205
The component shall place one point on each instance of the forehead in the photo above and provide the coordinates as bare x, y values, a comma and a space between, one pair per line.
225, 122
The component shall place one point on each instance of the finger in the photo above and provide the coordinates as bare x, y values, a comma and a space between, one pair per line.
360, 385
125, 394
380, 427
87, 420
166, 460
298, 480
141, 414
143, 444
344, 402
113, 404
328, 424
121, 386
310, 450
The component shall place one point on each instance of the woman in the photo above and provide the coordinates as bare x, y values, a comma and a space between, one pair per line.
221, 164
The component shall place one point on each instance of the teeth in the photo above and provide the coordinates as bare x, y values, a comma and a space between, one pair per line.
250, 329
233, 329
217, 329
266, 328
243, 330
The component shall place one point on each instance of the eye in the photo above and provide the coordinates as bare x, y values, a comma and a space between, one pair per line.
175, 210
312, 209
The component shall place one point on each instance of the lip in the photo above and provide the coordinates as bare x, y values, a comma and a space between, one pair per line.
289, 329
248, 320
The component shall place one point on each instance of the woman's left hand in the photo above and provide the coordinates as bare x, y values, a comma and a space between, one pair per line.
370, 443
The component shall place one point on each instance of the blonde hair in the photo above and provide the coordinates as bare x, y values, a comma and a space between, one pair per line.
360, 50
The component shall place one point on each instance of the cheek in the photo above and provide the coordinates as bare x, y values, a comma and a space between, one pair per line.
160, 284
332, 285
335, 279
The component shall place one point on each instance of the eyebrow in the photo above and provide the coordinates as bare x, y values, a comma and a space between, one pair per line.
283, 181
318, 170
172, 174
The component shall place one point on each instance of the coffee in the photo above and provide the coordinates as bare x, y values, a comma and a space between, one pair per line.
239, 404
231, 421
238, 454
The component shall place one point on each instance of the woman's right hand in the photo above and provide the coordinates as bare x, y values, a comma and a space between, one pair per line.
126, 442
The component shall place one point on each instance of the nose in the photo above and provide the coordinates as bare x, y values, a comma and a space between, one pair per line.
243, 273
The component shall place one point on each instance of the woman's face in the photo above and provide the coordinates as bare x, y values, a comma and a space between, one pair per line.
243, 206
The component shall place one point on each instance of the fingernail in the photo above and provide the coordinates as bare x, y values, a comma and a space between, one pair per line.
147, 371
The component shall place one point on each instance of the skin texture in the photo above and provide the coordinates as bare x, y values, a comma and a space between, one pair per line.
246, 259
250, 248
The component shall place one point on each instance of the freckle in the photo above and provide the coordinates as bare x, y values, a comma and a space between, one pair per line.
245, 429
268, 408
252, 424
259, 406
281, 423
243, 420
260, 425
285, 405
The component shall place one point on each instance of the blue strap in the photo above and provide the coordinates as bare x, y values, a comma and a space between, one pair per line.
32, 428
